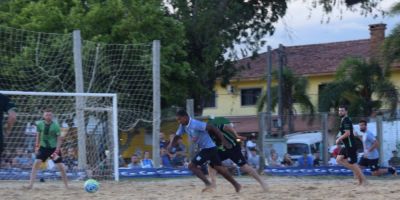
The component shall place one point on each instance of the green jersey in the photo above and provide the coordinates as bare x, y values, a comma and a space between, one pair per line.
48, 134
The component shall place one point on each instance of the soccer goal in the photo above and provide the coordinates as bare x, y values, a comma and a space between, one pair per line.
89, 124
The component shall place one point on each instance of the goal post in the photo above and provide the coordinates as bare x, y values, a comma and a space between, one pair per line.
100, 131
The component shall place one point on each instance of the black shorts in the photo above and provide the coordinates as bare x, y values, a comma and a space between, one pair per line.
373, 164
349, 153
235, 154
210, 154
45, 153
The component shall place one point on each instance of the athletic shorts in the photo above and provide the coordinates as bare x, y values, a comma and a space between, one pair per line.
371, 163
235, 154
207, 155
349, 153
45, 153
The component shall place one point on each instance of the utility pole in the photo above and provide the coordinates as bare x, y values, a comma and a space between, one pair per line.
281, 55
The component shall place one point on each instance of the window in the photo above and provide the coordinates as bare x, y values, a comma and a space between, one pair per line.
210, 101
249, 96
321, 87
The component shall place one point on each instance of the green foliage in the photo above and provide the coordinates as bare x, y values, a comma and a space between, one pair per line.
361, 85
111, 21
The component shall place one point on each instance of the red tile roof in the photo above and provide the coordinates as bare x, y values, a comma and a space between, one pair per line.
306, 59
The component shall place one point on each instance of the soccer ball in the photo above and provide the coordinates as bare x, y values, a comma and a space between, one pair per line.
91, 186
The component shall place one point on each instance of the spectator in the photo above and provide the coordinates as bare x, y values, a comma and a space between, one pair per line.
305, 160
7, 160
147, 162
22, 159
163, 142
317, 160
70, 160
165, 159
394, 161
177, 153
251, 144
30, 135
121, 161
274, 160
287, 160
254, 159
135, 162
332, 160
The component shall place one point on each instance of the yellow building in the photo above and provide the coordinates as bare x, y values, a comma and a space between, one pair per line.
317, 62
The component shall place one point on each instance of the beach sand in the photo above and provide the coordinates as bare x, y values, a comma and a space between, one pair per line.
190, 188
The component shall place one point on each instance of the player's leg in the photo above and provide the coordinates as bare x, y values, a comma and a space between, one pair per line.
64, 177
216, 163
35, 168
213, 174
377, 171
342, 159
237, 157
197, 161
252, 172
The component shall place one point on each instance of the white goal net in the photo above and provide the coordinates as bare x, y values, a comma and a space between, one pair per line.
88, 123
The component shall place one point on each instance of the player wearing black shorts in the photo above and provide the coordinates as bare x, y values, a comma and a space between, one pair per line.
48, 145
6, 106
235, 153
348, 154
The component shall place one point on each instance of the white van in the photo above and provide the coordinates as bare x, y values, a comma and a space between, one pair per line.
303, 142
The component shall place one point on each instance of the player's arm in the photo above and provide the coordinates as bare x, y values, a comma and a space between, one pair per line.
342, 137
212, 130
374, 145
230, 129
60, 139
12, 118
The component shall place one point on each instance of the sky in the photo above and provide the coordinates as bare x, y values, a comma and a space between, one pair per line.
302, 26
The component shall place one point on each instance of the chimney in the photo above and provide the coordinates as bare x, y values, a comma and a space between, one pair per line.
377, 36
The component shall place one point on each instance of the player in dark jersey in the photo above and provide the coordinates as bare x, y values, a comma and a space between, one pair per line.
235, 153
348, 154
6, 106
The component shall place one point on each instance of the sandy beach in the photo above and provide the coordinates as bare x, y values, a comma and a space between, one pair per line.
190, 188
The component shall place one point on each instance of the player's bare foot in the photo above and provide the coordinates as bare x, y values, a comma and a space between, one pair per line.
208, 188
238, 187
363, 183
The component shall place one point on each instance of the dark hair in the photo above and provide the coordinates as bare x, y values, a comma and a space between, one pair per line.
182, 113
363, 121
343, 106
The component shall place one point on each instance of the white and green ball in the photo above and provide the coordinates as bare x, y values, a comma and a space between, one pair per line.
91, 186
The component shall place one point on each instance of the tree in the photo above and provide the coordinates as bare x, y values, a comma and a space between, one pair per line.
214, 27
361, 85
295, 92
111, 21
391, 47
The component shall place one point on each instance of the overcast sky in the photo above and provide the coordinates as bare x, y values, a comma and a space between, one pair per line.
301, 26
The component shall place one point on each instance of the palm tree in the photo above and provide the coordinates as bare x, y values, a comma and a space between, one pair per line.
356, 83
391, 47
293, 91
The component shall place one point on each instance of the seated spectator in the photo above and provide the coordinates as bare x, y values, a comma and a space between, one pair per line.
274, 161
394, 161
317, 160
305, 160
70, 160
287, 160
22, 159
251, 144
332, 161
165, 160
177, 153
163, 142
254, 159
7, 160
135, 162
147, 162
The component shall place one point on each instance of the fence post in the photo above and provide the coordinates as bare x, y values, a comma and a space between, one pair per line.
379, 135
156, 102
80, 101
190, 111
261, 140
325, 145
